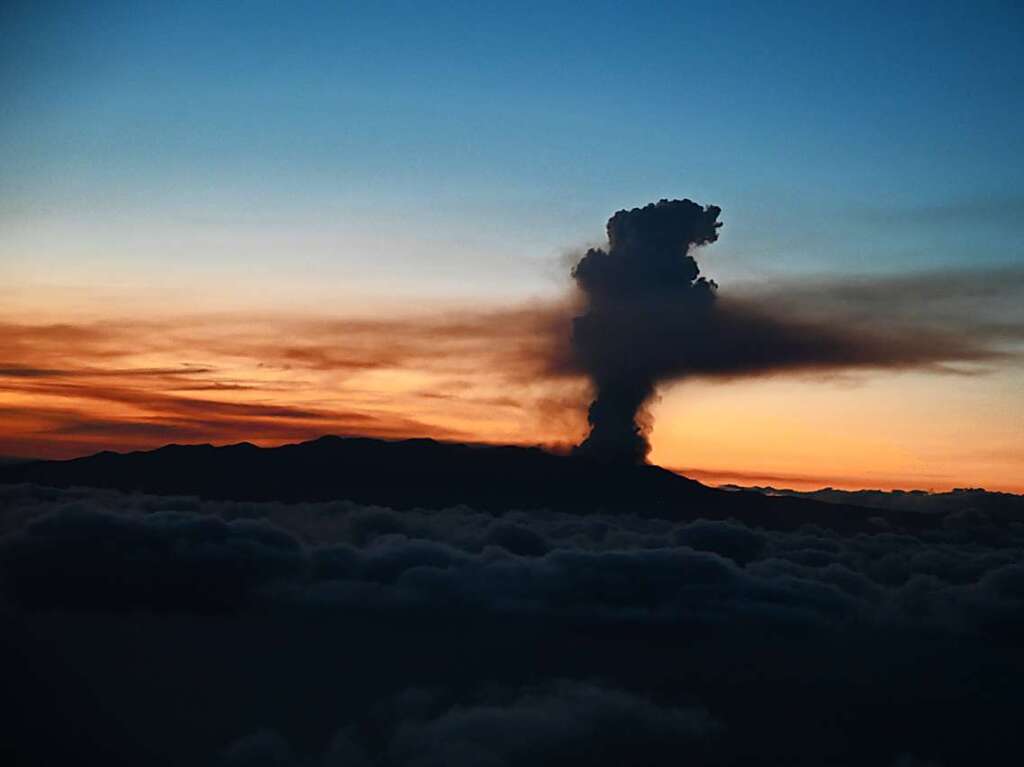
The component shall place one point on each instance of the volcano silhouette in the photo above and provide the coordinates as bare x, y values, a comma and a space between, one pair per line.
427, 474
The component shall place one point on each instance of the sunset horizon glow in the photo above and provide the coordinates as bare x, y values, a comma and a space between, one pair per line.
363, 220
76, 387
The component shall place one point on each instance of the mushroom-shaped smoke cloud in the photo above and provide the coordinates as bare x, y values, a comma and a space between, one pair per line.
644, 294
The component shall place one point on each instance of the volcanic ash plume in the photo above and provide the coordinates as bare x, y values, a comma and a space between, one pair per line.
641, 294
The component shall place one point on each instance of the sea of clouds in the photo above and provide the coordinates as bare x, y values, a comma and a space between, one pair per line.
720, 591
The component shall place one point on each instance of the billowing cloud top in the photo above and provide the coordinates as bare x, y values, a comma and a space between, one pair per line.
647, 272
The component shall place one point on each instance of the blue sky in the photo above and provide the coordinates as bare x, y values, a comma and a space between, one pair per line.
458, 149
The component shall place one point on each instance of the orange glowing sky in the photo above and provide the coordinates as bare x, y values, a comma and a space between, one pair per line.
223, 223
86, 376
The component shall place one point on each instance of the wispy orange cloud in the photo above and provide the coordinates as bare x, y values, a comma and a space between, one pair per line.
486, 375
67, 389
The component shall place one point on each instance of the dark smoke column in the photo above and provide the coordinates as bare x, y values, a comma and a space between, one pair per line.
623, 341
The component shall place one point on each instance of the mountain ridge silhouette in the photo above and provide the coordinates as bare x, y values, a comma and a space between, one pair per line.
430, 474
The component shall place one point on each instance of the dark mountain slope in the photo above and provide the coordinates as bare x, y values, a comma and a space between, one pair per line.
428, 474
